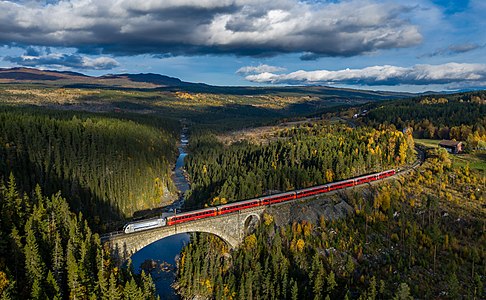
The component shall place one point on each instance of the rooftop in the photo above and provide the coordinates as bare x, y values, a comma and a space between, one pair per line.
449, 143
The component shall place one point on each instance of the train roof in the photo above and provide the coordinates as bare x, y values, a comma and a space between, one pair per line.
194, 211
143, 221
277, 195
239, 202
364, 176
313, 187
151, 222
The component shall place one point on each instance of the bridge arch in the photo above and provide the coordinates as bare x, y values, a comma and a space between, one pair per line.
250, 224
231, 228
230, 241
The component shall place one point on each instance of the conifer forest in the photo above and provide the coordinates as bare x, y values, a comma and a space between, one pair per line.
243, 150
69, 178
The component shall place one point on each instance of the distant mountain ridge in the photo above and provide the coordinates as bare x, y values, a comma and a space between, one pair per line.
23, 75
70, 79
149, 77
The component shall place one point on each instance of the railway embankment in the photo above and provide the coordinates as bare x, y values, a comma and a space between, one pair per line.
331, 207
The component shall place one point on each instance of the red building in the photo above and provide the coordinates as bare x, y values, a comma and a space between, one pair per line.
453, 147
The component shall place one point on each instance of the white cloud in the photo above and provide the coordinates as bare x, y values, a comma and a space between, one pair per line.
451, 73
262, 68
241, 27
99, 63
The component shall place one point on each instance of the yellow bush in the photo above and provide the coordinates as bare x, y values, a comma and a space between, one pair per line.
267, 219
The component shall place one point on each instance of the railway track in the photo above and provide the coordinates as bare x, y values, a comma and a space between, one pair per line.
302, 194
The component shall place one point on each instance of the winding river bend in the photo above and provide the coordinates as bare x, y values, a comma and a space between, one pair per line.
161, 255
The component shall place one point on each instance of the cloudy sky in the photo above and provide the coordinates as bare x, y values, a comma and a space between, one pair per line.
408, 45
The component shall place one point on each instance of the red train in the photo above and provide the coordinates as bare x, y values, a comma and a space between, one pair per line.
265, 200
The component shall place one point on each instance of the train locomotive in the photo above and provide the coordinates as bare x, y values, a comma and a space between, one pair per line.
261, 201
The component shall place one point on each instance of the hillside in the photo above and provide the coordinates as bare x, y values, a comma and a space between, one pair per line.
73, 79
107, 167
419, 236
162, 82
216, 106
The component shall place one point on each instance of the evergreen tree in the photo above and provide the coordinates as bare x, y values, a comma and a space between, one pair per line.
403, 292
131, 291
53, 289
453, 284
35, 267
295, 290
113, 290
42, 269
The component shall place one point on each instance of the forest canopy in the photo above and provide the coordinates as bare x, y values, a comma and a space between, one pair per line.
49, 252
459, 116
420, 236
107, 167
299, 157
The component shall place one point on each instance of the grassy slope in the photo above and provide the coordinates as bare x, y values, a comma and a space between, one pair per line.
220, 107
219, 111
475, 160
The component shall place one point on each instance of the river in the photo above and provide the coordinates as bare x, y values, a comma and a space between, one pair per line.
165, 252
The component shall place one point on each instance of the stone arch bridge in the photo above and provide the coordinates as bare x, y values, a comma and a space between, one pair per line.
232, 228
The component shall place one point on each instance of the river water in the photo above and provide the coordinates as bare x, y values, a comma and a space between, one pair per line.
165, 252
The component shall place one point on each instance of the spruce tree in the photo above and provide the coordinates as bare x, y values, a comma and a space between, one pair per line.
34, 265
113, 290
